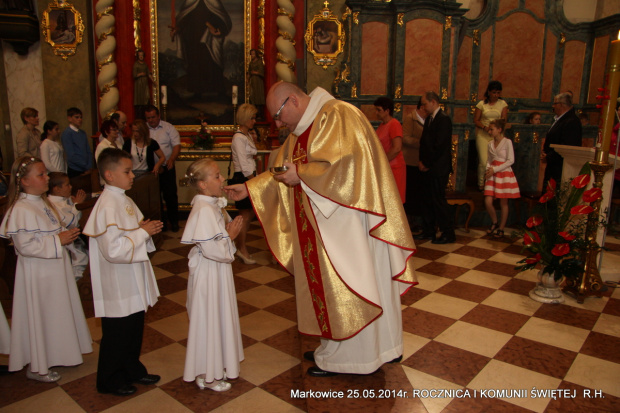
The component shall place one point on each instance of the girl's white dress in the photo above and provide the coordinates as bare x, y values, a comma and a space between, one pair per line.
48, 324
214, 340
503, 184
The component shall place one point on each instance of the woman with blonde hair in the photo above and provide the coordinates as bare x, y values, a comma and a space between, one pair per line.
28, 139
243, 151
143, 150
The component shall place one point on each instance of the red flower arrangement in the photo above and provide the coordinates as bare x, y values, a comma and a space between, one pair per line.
555, 234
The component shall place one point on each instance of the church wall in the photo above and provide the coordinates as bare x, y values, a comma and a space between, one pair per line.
70, 82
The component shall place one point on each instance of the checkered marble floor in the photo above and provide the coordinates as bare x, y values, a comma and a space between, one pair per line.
474, 342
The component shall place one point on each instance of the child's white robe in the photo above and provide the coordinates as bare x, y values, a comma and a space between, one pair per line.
48, 324
214, 338
71, 218
122, 277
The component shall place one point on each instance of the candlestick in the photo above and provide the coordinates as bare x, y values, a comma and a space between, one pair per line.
609, 96
234, 94
164, 95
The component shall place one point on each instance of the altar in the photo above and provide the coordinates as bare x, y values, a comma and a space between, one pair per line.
222, 156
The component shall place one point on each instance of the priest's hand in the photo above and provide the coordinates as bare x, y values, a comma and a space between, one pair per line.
236, 192
289, 177
234, 227
68, 236
152, 227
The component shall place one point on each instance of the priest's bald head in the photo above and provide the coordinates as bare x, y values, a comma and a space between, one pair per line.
286, 103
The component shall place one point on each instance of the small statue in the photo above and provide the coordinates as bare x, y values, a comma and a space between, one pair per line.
141, 76
256, 76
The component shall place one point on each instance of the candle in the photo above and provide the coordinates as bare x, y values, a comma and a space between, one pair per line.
234, 95
608, 111
164, 95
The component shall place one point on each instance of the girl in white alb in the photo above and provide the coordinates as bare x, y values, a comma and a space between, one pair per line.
500, 179
214, 348
48, 324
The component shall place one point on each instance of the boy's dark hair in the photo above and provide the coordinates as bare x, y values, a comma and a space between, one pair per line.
108, 158
56, 179
151, 108
73, 112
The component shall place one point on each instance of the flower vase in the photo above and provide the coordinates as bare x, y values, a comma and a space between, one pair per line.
548, 289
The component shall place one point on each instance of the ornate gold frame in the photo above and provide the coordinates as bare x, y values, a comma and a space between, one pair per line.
247, 22
65, 42
325, 53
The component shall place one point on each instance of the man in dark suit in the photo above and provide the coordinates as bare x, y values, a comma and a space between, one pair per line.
566, 130
436, 165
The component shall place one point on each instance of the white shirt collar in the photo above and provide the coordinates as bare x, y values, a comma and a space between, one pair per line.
74, 128
318, 98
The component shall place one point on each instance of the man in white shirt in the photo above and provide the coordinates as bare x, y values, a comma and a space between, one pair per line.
170, 143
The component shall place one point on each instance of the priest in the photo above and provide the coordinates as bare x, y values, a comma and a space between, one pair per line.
335, 221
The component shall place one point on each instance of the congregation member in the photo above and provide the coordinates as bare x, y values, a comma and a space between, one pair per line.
75, 143
565, 130
170, 143
109, 132
52, 152
123, 281
436, 166
390, 133
491, 108
243, 149
121, 121
347, 245
28, 139
143, 150
413, 124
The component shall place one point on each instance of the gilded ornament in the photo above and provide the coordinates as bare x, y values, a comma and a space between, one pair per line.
517, 138
562, 39
400, 18
535, 137
62, 38
397, 107
325, 37
354, 91
448, 24
355, 17
476, 36
398, 93
466, 135
444, 93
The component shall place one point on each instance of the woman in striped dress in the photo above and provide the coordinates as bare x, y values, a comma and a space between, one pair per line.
500, 180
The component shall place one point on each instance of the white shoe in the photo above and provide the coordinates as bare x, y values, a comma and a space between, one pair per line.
217, 385
246, 259
50, 377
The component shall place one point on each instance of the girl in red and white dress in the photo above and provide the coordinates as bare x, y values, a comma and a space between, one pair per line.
500, 179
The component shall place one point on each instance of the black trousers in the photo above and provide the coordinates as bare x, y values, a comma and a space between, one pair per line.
413, 206
168, 187
436, 211
119, 352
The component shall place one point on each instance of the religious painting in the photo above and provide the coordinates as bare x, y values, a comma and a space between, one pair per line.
62, 28
325, 38
200, 56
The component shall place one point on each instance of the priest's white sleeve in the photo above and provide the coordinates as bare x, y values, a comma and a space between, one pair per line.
124, 247
32, 244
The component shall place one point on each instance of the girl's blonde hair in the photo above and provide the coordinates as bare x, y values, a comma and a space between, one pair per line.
22, 167
197, 171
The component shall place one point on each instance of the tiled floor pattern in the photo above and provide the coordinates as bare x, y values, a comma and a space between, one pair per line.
474, 342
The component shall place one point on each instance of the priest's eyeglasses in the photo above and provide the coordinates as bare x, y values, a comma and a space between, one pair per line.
276, 116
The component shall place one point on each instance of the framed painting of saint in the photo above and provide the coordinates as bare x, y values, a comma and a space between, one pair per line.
199, 54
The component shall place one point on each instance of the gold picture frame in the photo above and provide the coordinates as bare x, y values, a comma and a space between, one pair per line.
325, 37
62, 27
219, 111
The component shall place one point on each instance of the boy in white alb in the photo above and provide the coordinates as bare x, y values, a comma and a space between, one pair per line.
122, 277
59, 194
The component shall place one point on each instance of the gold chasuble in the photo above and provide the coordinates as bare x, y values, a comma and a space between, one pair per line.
323, 230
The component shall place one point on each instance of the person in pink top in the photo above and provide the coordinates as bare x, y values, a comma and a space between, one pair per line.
390, 133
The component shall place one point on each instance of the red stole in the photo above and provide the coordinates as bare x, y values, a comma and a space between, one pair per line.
307, 239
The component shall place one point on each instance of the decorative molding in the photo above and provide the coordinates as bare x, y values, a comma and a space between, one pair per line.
476, 37
399, 19
137, 12
106, 47
448, 23
398, 93
356, 17
444, 93
285, 66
